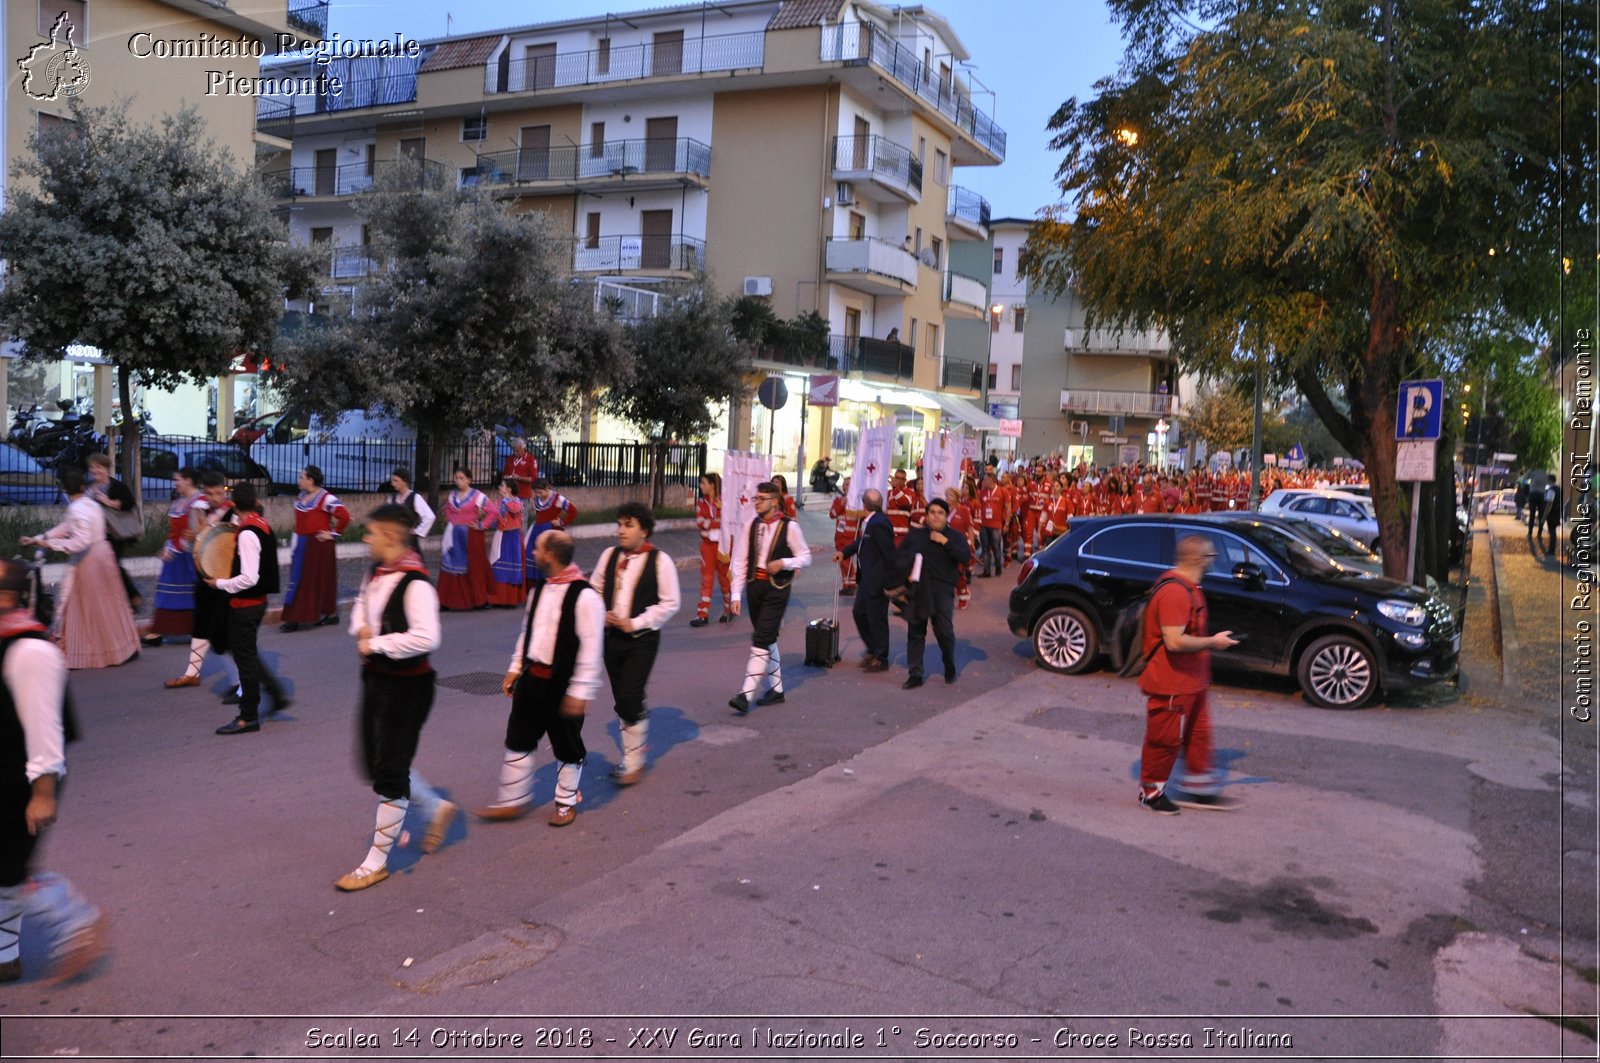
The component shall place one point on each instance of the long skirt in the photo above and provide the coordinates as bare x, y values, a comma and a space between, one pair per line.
92, 615
464, 571
313, 581
505, 585
534, 576
175, 596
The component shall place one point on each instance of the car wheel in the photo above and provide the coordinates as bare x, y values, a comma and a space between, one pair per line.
1338, 672
1064, 640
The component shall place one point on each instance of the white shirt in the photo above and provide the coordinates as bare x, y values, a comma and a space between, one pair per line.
249, 565
85, 525
591, 625
425, 514
667, 605
423, 634
768, 531
36, 674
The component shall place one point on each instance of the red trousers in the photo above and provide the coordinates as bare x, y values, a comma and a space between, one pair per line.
1177, 722
712, 570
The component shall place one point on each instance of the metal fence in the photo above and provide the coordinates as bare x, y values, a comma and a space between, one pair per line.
620, 464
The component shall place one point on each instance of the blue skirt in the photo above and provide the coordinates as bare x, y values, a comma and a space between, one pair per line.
175, 585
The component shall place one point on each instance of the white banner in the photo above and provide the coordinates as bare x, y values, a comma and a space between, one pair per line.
872, 462
741, 472
941, 464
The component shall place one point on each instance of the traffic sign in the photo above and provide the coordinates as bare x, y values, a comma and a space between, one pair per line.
1498, 456
1414, 459
1420, 410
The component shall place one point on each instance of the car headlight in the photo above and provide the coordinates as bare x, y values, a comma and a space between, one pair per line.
1412, 640
1405, 612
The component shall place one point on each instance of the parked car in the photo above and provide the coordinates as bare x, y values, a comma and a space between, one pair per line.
1501, 501
160, 459
24, 482
1351, 514
1349, 552
1344, 634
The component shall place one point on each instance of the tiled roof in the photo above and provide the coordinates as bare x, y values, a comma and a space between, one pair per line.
451, 55
797, 14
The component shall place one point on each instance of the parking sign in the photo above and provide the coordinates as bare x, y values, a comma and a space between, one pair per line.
1420, 411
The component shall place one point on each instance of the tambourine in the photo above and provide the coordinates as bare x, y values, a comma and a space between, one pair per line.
215, 550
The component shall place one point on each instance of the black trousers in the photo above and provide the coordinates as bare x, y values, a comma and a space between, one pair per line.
994, 551
871, 612
16, 844
766, 605
243, 627
393, 710
628, 660
535, 713
935, 602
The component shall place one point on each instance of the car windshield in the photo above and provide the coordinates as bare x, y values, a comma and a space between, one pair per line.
1297, 553
1334, 543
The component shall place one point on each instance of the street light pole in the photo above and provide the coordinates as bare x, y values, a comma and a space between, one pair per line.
1255, 441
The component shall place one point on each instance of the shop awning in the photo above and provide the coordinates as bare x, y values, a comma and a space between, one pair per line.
953, 406
965, 412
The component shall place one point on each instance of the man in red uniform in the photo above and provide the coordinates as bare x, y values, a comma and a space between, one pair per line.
521, 469
899, 504
1176, 681
846, 524
991, 520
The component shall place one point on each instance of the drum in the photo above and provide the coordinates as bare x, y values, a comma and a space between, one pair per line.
214, 551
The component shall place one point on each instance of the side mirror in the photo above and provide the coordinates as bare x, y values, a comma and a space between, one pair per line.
1250, 574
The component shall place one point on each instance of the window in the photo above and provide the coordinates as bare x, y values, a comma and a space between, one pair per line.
922, 150
597, 140
994, 319
933, 340
372, 159
366, 236
1140, 544
858, 226
1016, 378
414, 148
941, 167
994, 376
592, 233
1231, 551
602, 56
53, 123
322, 235
475, 129
1310, 504
999, 261
938, 252
916, 247
1019, 318
77, 12
912, 338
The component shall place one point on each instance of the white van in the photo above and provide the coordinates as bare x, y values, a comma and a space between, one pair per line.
356, 452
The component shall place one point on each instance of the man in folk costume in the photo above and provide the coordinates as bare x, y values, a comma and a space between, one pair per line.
714, 560
506, 566
255, 576
639, 586
521, 469
396, 624
551, 511
210, 617
554, 674
319, 519
764, 563
846, 525
33, 737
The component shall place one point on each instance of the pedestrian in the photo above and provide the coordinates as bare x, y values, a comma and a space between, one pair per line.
639, 586
33, 737
1520, 497
403, 495
521, 469
1552, 508
552, 511
846, 527
254, 577
124, 521
396, 624
210, 507
554, 674
714, 560
898, 506
786, 504
991, 522
1176, 682
874, 553
764, 564
464, 563
933, 556
93, 620
312, 599
962, 523
506, 572
174, 613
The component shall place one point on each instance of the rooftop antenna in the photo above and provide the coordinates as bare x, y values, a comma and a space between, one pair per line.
448, 19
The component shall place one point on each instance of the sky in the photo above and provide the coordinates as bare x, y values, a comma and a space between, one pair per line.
1033, 54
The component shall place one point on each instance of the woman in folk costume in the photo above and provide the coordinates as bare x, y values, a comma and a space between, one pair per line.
93, 622
505, 550
403, 495
714, 558
464, 568
175, 586
550, 511
319, 519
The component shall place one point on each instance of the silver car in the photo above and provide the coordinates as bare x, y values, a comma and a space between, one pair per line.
1350, 514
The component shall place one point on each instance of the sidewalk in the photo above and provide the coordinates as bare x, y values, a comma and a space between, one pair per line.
1528, 594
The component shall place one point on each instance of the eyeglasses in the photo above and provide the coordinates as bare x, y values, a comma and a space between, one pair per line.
1208, 557
764, 498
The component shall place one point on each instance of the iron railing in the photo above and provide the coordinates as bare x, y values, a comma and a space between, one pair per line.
275, 117
968, 291
967, 205
371, 92
861, 42
310, 18
886, 160
613, 158
961, 374
1140, 403
862, 354
291, 182
638, 251
350, 260
621, 464
601, 66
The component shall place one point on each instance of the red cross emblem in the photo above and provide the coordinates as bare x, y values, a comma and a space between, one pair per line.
744, 500
938, 477
871, 469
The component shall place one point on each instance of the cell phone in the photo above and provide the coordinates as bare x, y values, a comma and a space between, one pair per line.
1239, 636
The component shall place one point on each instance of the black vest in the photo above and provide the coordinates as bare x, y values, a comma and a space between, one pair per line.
393, 622
645, 591
13, 740
566, 651
780, 545
267, 574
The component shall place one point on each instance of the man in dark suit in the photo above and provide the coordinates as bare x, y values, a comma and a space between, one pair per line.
874, 552
933, 554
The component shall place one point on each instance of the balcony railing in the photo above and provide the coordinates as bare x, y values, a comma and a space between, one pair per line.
1138, 403
612, 158
309, 18
290, 182
862, 42
372, 92
872, 256
639, 252
349, 261
275, 118
968, 206
862, 354
968, 291
1151, 342
886, 160
692, 55
960, 374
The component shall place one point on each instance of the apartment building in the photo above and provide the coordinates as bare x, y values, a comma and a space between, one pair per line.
1007, 320
801, 151
159, 56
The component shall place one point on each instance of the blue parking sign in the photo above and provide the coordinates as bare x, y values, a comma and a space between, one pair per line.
1420, 410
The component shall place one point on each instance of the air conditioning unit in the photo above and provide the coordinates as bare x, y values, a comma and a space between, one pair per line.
846, 194
1070, 341
758, 286
1080, 428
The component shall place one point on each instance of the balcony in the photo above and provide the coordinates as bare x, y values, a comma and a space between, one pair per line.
350, 261
692, 55
967, 211
1134, 403
296, 182
309, 18
871, 265
638, 164
963, 376
371, 92
861, 42
965, 296
877, 169
639, 253
864, 355
1150, 343
275, 118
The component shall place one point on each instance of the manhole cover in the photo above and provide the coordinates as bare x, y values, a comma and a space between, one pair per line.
482, 683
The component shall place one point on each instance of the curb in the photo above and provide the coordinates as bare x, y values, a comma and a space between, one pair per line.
1509, 650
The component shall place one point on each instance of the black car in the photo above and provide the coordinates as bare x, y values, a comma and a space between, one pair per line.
1343, 633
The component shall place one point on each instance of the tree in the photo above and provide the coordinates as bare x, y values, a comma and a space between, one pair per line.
1221, 417
1330, 184
687, 359
147, 243
468, 320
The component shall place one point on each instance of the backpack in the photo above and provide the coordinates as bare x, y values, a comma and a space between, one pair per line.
1128, 632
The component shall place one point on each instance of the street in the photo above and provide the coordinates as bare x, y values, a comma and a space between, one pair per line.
862, 861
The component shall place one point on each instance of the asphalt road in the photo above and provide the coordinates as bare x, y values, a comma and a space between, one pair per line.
967, 860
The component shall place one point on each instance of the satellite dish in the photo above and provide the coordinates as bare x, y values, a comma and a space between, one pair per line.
928, 258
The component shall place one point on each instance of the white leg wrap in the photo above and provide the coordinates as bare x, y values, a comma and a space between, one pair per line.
775, 669
391, 813
516, 779
424, 796
49, 901
755, 671
568, 776
634, 736
198, 648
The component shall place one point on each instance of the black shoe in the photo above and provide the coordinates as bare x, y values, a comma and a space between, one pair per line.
699, 621
724, 618
289, 627
911, 683
949, 673
281, 705
1159, 803
231, 697
239, 726
740, 704
328, 621
875, 664
771, 697
151, 640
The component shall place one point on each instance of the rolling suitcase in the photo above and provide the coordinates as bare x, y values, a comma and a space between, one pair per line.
822, 637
